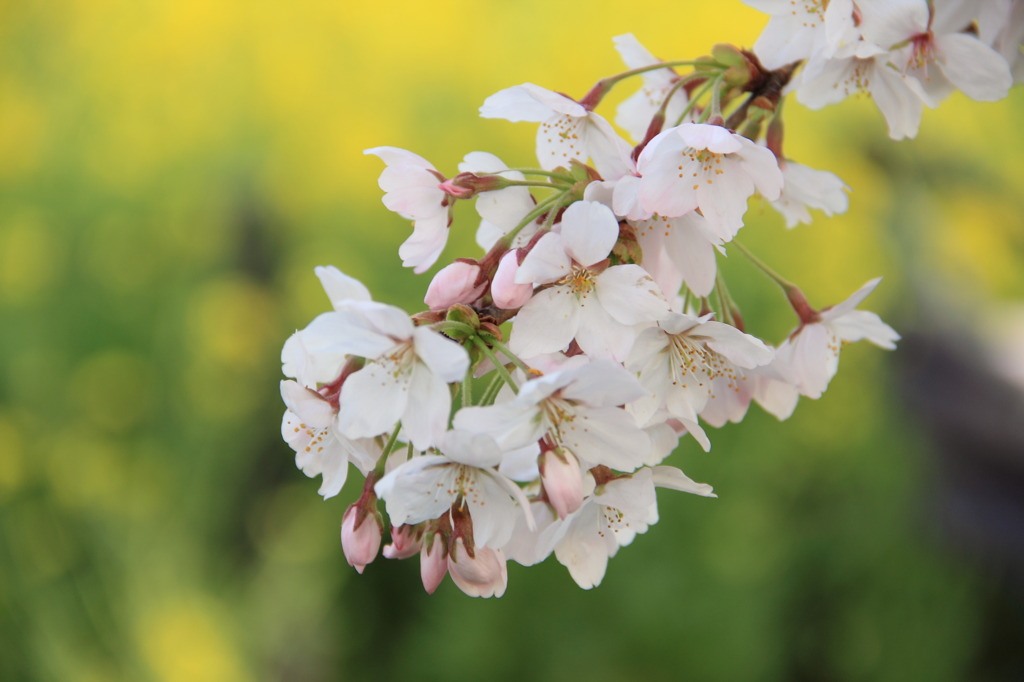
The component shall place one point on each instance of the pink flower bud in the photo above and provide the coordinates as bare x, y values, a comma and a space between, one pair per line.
484, 575
563, 481
405, 542
454, 283
433, 562
506, 292
360, 537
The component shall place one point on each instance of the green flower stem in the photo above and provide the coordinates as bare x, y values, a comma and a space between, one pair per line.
786, 285
694, 99
538, 210
500, 347
604, 86
500, 368
491, 392
388, 448
467, 388
796, 298
537, 183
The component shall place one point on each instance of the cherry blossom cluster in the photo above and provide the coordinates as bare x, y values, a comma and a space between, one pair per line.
529, 410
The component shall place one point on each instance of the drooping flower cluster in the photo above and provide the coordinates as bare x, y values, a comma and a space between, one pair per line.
529, 410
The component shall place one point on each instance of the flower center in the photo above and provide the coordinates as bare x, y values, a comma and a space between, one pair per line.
580, 281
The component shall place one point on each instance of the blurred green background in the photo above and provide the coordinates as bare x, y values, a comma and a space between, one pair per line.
170, 173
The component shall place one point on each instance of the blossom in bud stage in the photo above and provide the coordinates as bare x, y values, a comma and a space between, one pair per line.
563, 481
458, 282
480, 574
696, 165
412, 190
568, 131
809, 358
505, 291
406, 541
433, 561
596, 306
360, 536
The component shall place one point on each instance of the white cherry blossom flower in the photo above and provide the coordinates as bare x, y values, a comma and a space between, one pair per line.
568, 131
501, 210
806, 188
597, 306
685, 360
577, 408
611, 517
309, 427
696, 165
405, 380
800, 29
809, 358
412, 190
426, 487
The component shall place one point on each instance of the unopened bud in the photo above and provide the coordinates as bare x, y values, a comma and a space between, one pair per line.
405, 542
507, 294
433, 562
563, 481
360, 536
482, 575
455, 283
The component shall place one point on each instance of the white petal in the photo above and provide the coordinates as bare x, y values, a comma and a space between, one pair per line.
546, 262
341, 287
426, 412
372, 401
630, 295
445, 358
546, 324
671, 477
528, 102
589, 230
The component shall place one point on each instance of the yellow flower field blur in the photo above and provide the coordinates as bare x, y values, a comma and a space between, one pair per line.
170, 173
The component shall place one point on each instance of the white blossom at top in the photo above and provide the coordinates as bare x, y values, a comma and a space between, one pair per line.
697, 165
568, 131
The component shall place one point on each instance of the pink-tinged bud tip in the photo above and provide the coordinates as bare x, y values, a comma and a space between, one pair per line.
507, 294
454, 283
360, 542
563, 481
483, 575
433, 562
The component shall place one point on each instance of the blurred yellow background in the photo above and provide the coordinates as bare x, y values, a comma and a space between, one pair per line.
170, 173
